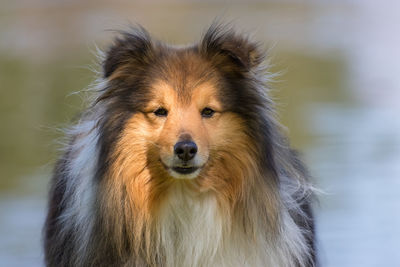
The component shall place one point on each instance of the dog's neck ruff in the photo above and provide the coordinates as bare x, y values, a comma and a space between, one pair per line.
192, 230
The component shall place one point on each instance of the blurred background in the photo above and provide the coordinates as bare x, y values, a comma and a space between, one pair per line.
338, 95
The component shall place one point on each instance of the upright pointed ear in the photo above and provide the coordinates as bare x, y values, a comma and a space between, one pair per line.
133, 47
222, 42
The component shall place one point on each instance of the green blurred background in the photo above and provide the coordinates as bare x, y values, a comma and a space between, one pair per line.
337, 94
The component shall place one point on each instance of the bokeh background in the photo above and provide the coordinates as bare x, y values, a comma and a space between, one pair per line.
338, 95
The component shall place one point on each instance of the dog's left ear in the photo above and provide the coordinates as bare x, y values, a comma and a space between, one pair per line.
221, 43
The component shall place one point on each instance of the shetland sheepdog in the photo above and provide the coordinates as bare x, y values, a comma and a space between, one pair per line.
179, 161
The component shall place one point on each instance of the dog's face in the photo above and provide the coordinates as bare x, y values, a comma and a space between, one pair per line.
182, 126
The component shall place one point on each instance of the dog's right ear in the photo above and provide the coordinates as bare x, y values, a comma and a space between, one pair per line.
133, 48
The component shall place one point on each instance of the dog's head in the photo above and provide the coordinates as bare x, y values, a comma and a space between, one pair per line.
185, 112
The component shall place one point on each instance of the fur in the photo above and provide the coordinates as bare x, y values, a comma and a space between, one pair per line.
115, 200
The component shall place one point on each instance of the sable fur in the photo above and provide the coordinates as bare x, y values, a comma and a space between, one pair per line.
112, 204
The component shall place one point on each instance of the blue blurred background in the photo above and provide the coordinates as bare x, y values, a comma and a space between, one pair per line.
338, 95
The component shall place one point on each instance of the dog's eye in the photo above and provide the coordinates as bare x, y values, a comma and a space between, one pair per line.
161, 112
207, 112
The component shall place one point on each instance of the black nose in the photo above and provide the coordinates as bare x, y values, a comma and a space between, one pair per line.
185, 150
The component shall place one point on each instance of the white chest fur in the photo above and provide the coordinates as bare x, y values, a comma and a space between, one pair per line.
193, 231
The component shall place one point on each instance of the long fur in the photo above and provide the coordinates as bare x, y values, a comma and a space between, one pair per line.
111, 204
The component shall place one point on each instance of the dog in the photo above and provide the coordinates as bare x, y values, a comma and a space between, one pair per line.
179, 161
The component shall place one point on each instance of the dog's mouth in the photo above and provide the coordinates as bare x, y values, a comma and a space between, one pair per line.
184, 170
